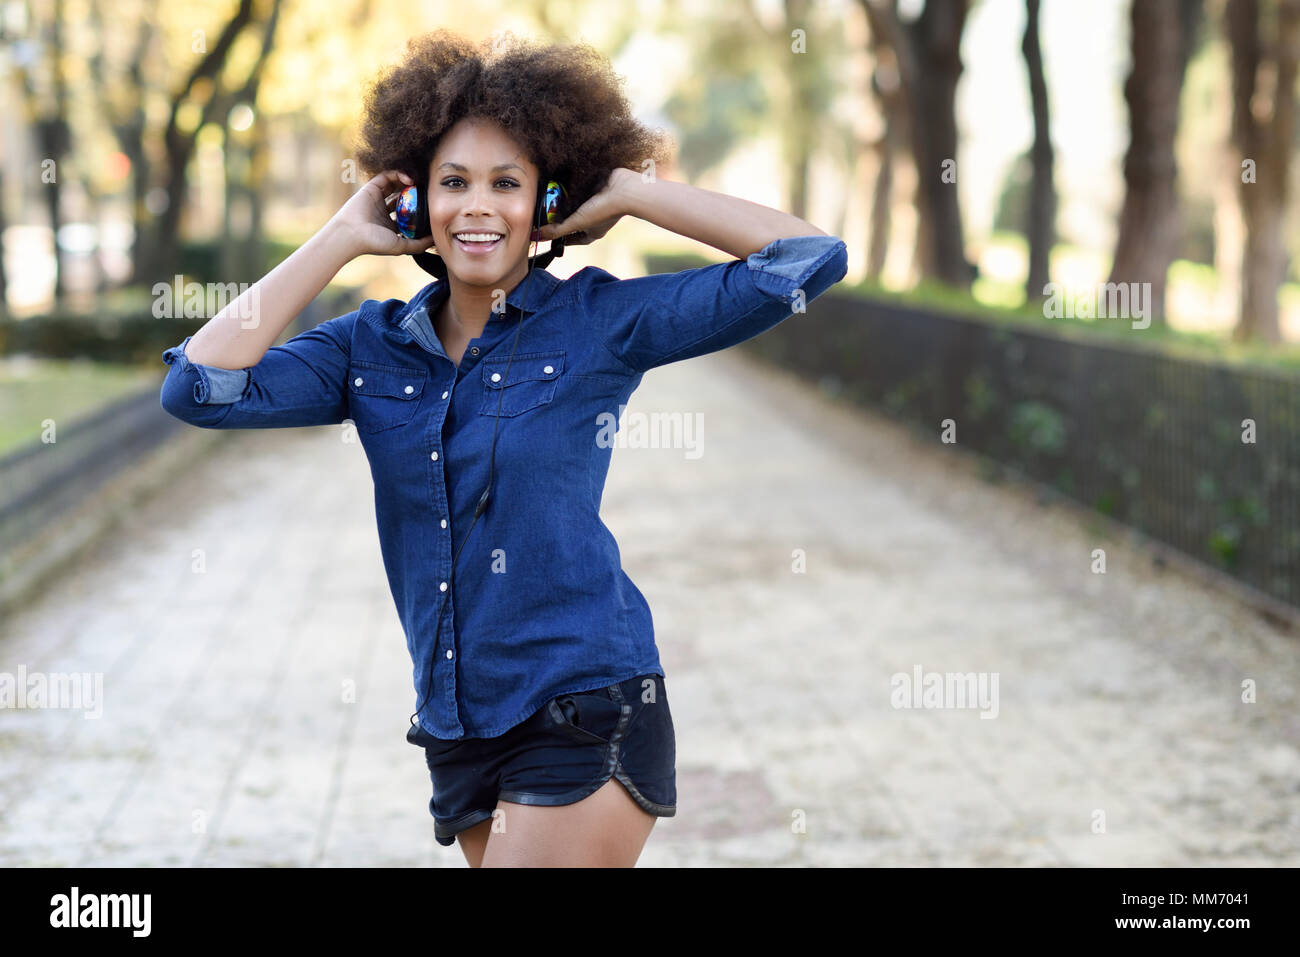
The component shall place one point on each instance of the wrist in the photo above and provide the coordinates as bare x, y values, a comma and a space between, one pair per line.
337, 243
634, 189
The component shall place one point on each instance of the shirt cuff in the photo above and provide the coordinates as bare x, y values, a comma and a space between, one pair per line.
784, 265
213, 386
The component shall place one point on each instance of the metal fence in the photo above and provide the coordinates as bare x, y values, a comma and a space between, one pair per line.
1201, 455
42, 481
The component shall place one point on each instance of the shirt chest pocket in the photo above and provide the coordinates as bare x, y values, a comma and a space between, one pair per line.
530, 381
383, 396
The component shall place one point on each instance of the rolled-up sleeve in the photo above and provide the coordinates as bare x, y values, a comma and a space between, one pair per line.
212, 385
300, 383
651, 321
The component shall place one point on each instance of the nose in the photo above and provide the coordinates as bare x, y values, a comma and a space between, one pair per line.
477, 201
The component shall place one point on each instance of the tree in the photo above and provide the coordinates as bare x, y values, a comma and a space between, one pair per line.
45, 97
1040, 224
1162, 38
203, 85
1263, 122
887, 89
927, 51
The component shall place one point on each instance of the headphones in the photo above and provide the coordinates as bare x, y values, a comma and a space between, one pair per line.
412, 215
413, 223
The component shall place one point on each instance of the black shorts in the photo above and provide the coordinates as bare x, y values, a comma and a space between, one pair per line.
562, 753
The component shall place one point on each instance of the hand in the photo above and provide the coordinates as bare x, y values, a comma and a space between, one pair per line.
594, 218
365, 218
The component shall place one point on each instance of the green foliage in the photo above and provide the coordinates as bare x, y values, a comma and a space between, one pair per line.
1158, 337
980, 396
713, 116
1038, 427
672, 262
201, 261
1225, 542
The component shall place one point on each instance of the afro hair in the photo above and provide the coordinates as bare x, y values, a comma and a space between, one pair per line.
562, 102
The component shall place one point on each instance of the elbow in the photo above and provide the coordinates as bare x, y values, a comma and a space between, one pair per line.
178, 399
175, 403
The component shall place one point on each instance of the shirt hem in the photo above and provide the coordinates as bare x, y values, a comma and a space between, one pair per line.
533, 707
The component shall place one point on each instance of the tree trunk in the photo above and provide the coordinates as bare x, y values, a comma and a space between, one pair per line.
928, 57
179, 146
4, 279
1263, 122
1040, 229
802, 118
935, 37
48, 122
887, 88
1161, 39
881, 198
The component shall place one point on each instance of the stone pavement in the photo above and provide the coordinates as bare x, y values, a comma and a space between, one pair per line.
256, 682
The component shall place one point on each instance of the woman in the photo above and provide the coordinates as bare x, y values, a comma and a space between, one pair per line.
541, 704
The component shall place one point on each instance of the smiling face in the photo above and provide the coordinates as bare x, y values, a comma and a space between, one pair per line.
480, 183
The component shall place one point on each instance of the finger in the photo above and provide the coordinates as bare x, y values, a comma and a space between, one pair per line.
391, 176
559, 230
390, 182
416, 245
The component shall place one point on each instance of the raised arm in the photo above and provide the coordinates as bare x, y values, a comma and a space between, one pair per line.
239, 335
228, 375
736, 226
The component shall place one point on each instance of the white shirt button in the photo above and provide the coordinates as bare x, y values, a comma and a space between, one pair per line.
549, 369
410, 389
442, 587
435, 456
496, 377
444, 523
357, 381
445, 394
448, 652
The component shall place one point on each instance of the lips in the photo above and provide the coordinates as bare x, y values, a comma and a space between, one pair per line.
477, 247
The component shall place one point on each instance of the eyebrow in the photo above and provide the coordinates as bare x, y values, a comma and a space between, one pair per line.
495, 169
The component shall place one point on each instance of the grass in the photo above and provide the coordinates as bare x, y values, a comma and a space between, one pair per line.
33, 390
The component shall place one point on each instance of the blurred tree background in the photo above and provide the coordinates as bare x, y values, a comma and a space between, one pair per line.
146, 139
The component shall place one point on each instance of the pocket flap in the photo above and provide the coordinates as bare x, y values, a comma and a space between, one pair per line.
395, 382
524, 367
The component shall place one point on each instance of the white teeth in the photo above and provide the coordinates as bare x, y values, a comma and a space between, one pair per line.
478, 237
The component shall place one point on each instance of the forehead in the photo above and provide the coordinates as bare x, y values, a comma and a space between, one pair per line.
474, 142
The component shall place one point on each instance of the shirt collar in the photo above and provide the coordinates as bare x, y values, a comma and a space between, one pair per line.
535, 288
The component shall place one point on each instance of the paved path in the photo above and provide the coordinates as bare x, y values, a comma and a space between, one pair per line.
254, 712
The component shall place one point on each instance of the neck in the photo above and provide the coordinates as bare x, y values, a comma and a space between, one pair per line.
469, 307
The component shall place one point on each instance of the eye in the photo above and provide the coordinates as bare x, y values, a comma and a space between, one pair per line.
456, 179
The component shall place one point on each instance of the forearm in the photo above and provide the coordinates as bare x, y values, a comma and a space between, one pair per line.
736, 226
239, 335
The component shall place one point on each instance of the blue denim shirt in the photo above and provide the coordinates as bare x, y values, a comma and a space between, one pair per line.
540, 604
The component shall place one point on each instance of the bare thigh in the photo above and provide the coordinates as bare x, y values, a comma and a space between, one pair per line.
473, 841
604, 829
